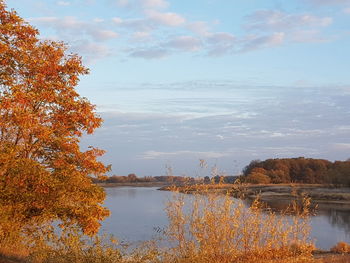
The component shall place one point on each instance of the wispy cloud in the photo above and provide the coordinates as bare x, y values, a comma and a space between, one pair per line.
166, 18
253, 42
152, 30
273, 20
328, 2
144, 4
185, 43
73, 26
226, 123
200, 28
63, 3
182, 154
153, 53
342, 146
84, 37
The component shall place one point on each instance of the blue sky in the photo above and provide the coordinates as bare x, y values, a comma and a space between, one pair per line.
221, 80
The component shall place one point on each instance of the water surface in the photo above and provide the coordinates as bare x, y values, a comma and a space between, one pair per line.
137, 213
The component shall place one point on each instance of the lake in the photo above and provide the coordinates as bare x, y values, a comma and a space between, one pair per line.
137, 212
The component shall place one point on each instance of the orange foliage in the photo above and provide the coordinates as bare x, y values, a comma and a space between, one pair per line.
341, 247
44, 175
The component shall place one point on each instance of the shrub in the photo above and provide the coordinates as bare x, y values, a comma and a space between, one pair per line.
341, 247
214, 228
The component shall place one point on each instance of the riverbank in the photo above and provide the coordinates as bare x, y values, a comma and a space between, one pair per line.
318, 193
330, 257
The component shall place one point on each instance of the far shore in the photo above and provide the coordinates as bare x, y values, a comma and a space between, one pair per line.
136, 184
267, 192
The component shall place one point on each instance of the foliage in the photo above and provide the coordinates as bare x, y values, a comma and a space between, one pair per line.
258, 176
341, 247
301, 170
44, 175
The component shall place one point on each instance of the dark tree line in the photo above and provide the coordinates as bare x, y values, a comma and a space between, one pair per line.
298, 170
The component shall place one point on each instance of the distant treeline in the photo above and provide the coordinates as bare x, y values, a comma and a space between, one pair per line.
298, 170
132, 178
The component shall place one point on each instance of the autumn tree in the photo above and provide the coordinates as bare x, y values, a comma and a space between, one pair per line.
44, 174
258, 176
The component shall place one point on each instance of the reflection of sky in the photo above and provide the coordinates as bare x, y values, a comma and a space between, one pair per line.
136, 212
327, 234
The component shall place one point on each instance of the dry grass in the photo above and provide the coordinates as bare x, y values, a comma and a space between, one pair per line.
334, 259
215, 228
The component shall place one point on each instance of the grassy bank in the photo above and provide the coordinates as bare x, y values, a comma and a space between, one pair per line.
317, 192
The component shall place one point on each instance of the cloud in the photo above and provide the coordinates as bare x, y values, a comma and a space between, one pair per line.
221, 43
185, 43
152, 53
154, 4
91, 51
72, 28
63, 3
166, 48
103, 35
272, 20
200, 28
347, 11
167, 18
184, 154
254, 42
123, 3
141, 36
341, 146
98, 20
137, 24
227, 121
328, 2
308, 36
143, 4
264, 29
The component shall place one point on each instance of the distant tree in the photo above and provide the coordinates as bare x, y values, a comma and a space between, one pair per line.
206, 179
301, 170
132, 178
253, 164
257, 178
44, 175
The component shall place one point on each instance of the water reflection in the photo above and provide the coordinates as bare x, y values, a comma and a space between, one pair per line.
330, 222
339, 218
137, 212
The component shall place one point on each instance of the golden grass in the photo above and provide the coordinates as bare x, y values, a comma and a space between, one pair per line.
215, 228
334, 259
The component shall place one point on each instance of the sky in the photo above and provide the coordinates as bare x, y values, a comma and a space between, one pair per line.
227, 81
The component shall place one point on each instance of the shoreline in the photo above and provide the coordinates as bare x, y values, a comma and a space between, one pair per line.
138, 184
319, 194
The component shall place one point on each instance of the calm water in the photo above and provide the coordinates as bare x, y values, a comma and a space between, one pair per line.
138, 211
